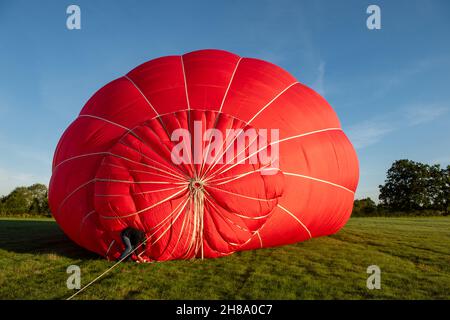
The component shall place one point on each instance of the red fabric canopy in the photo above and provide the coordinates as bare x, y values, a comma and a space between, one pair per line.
114, 166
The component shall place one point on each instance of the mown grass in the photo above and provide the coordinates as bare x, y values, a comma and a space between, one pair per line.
413, 254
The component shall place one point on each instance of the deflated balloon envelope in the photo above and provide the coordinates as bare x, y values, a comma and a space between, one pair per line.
113, 166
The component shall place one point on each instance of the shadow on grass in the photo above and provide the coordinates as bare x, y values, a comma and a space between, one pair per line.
39, 237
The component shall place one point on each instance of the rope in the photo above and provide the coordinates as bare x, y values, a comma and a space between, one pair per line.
101, 275
198, 197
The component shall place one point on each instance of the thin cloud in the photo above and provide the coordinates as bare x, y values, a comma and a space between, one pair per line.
419, 115
391, 80
368, 132
372, 131
378, 84
319, 84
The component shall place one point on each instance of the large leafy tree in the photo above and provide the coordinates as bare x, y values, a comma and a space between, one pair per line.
413, 185
405, 187
32, 199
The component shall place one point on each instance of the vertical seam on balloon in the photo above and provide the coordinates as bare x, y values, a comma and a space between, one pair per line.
226, 218
171, 223
210, 245
79, 156
234, 177
226, 150
104, 153
189, 114
148, 208
136, 193
174, 112
145, 172
108, 153
204, 110
148, 166
163, 221
125, 128
105, 120
259, 237
213, 205
182, 110
271, 101
140, 91
141, 182
237, 214
259, 112
89, 182
185, 83
216, 230
319, 180
251, 218
229, 84
306, 134
152, 191
129, 130
217, 172
186, 253
109, 248
136, 162
237, 155
241, 195
164, 249
171, 172
180, 172
180, 235
190, 239
220, 108
248, 240
158, 116
83, 221
72, 193
297, 219
223, 219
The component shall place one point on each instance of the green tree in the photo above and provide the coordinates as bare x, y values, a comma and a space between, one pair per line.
439, 188
2, 207
413, 185
32, 200
18, 201
407, 186
45, 209
35, 207
364, 206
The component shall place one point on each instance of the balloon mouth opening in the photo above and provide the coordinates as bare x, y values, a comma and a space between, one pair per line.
196, 185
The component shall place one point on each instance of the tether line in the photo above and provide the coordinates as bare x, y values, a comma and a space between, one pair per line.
105, 272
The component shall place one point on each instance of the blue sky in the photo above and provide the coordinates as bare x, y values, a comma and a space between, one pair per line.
389, 87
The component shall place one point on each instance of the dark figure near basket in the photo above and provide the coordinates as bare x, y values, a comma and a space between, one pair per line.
132, 238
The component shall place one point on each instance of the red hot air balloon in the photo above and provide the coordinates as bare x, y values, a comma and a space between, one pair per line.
126, 160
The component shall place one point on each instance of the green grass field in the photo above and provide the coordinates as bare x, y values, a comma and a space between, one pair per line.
413, 254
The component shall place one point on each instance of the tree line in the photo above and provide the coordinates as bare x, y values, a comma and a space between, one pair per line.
32, 200
410, 188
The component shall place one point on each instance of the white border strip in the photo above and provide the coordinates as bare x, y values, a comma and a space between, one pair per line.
293, 216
